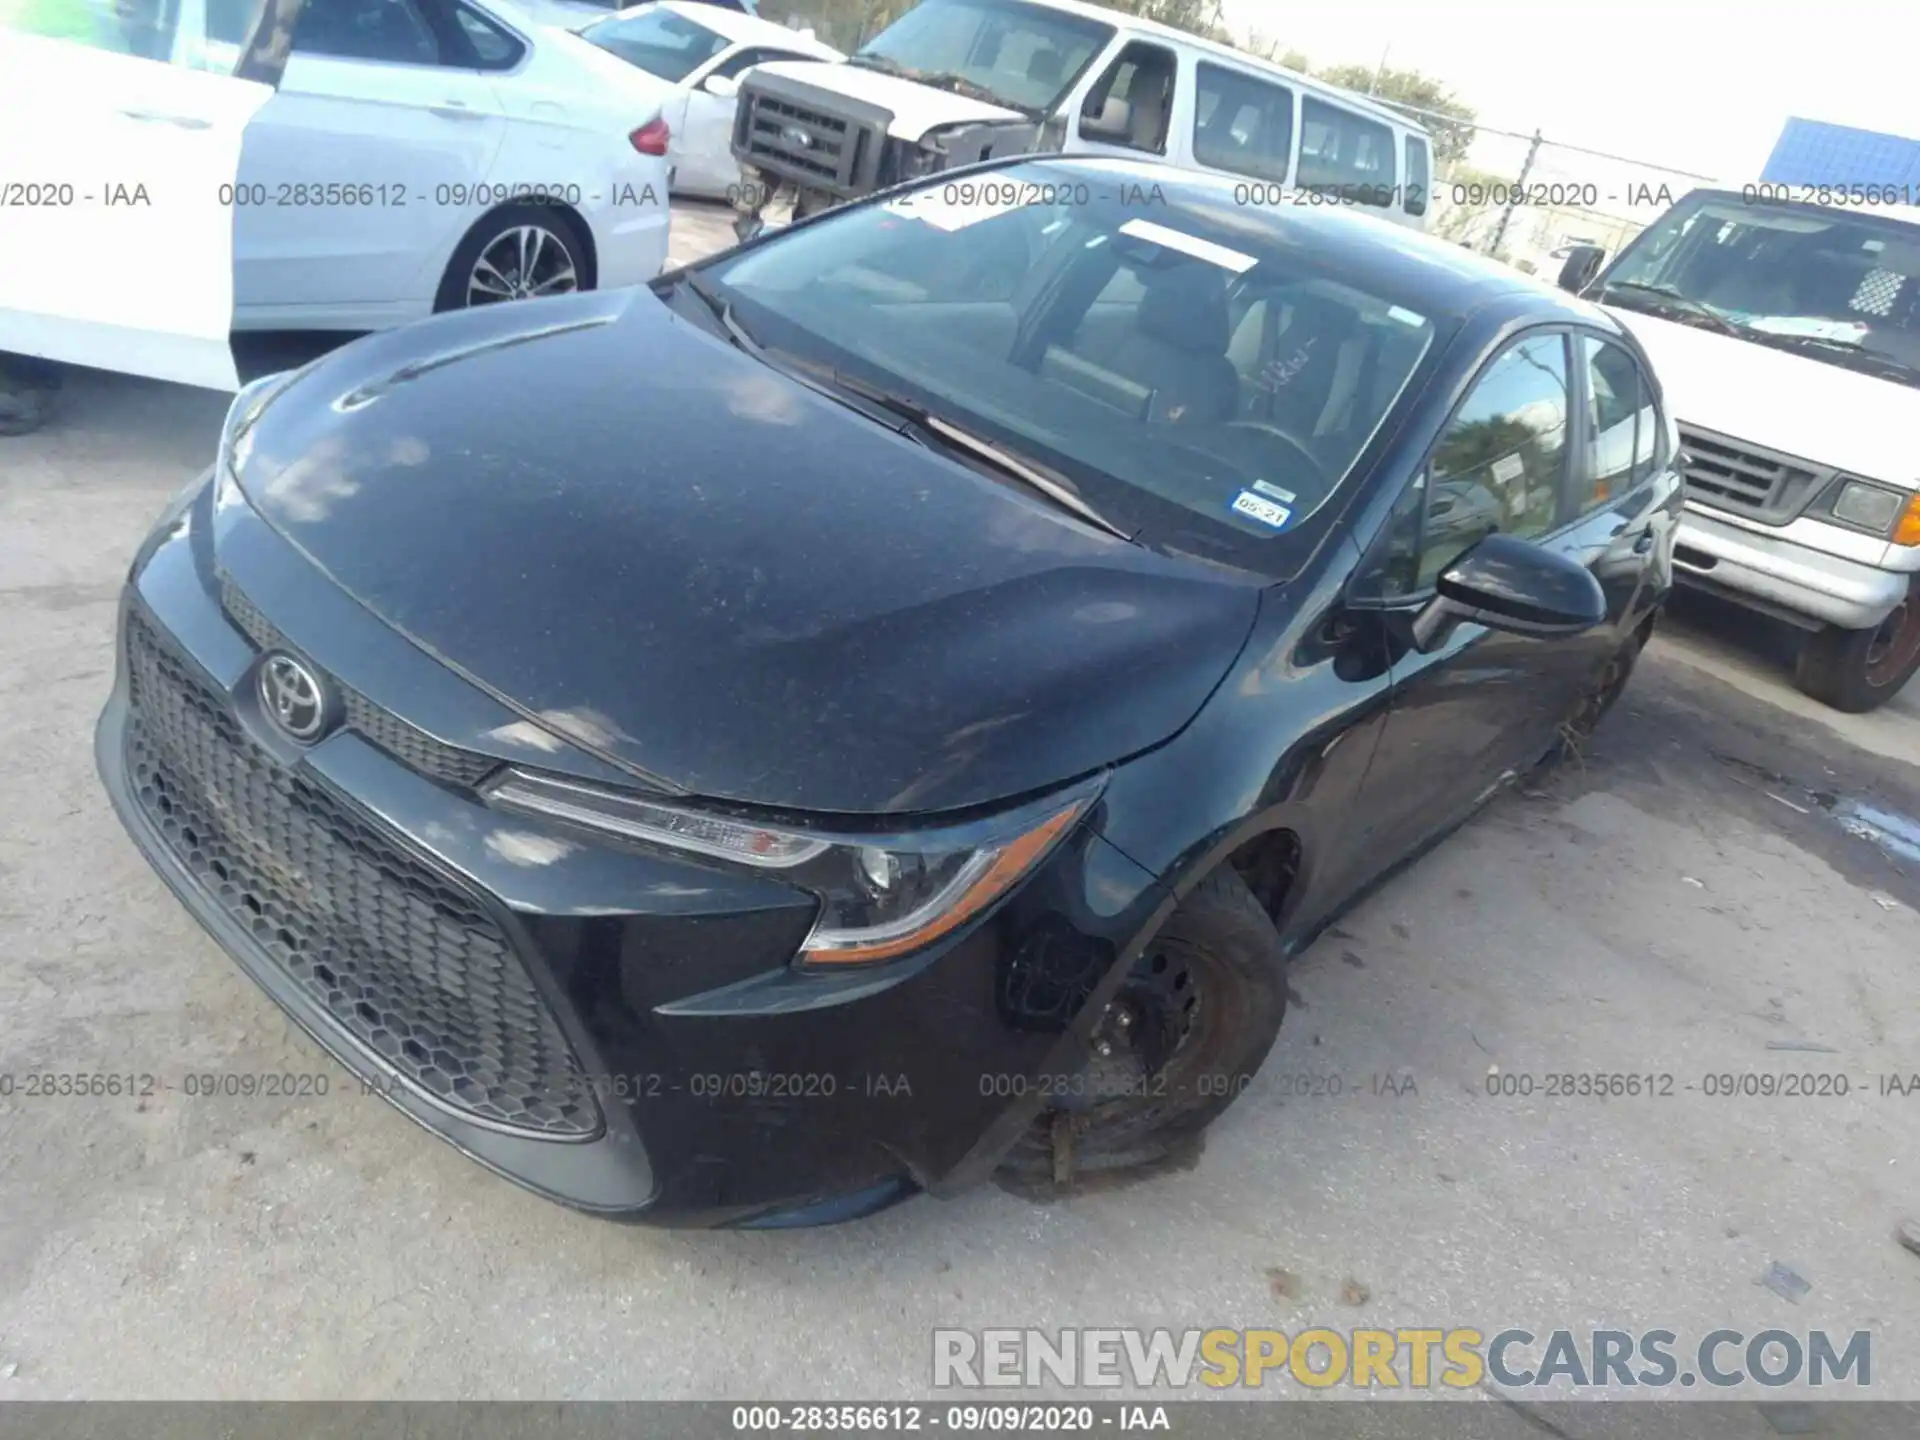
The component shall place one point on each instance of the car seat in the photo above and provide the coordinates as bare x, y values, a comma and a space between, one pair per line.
1178, 346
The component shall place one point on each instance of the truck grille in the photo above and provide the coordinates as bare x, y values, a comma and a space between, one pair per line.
794, 133
407, 743
1729, 474
403, 964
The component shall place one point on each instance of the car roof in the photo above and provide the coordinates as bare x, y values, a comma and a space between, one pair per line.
1352, 99
743, 29
1374, 251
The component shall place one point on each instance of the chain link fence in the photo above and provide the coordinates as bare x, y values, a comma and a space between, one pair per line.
1524, 199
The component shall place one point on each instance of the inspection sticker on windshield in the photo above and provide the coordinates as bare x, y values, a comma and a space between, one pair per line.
1258, 507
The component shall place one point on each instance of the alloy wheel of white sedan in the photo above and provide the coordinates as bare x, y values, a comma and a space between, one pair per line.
527, 260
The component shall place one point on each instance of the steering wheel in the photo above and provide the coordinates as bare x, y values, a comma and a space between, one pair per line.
1307, 458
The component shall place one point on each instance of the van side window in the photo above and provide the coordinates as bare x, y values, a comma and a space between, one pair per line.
1132, 104
1345, 154
1242, 124
1419, 176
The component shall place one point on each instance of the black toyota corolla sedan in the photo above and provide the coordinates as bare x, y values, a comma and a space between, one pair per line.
882, 704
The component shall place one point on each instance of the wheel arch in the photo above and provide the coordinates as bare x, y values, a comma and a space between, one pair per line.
1267, 850
553, 206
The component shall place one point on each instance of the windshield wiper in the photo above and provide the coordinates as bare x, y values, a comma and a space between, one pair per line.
837, 385
1029, 472
722, 309
825, 383
948, 80
1686, 302
1888, 365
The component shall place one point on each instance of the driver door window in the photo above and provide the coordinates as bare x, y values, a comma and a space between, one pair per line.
1500, 464
1131, 106
390, 30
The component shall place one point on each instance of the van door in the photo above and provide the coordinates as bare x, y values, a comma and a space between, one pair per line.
1348, 158
1129, 110
1242, 124
117, 246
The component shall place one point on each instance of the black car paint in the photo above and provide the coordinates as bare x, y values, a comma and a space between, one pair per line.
678, 587
1314, 733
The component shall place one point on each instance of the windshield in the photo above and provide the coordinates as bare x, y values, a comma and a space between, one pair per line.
1024, 56
1200, 377
1838, 286
657, 40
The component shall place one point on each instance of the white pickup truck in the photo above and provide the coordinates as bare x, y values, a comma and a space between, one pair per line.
1784, 322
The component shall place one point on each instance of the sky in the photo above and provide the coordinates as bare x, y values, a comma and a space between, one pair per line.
1702, 85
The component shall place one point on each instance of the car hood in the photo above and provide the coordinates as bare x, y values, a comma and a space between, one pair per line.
915, 108
1792, 403
684, 562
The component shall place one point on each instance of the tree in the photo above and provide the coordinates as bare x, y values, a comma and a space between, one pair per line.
1402, 88
1197, 17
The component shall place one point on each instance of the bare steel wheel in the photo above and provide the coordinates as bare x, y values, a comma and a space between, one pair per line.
1860, 670
520, 253
1179, 1042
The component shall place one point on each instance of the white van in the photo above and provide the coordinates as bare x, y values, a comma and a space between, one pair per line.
1784, 322
954, 82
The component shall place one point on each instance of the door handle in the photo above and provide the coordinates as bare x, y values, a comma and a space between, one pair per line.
155, 117
455, 110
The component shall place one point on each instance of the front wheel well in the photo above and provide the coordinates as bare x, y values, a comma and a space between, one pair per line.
1269, 863
544, 205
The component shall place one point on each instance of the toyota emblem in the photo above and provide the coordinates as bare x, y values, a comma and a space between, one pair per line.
795, 136
293, 698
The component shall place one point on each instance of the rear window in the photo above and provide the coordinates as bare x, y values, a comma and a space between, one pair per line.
657, 41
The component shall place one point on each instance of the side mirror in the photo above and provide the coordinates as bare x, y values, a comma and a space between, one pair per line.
723, 86
1515, 586
1581, 265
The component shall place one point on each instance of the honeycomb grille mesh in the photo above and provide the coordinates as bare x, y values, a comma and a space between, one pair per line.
405, 965
407, 743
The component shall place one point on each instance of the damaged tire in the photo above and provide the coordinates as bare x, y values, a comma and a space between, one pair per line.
1179, 1043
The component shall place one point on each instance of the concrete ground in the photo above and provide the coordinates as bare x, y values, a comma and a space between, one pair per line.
1687, 901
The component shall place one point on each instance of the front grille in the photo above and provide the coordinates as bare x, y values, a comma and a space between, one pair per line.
403, 963
1745, 479
407, 743
797, 138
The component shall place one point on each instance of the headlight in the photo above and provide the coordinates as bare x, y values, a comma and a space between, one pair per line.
880, 896
1867, 506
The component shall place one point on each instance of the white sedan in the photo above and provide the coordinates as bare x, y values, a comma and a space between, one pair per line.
405, 157
692, 55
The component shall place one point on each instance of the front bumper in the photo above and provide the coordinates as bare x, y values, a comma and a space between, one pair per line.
1781, 572
616, 1029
